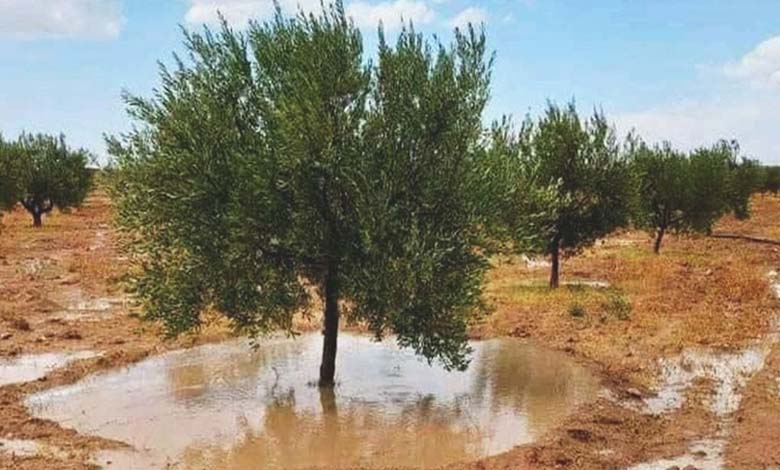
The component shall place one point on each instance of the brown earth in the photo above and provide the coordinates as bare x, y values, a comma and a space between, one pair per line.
699, 292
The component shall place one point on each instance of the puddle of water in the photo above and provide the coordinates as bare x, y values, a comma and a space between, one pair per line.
100, 240
79, 306
729, 372
590, 284
706, 454
774, 283
222, 406
619, 242
34, 366
535, 263
34, 266
29, 448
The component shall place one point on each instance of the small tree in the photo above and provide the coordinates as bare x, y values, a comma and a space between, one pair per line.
666, 197
9, 175
771, 179
688, 193
744, 179
722, 184
278, 160
678, 192
581, 184
52, 175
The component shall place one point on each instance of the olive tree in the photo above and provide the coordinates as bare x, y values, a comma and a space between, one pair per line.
771, 179
666, 199
51, 174
580, 179
744, 179
688, 193
9, 175
678, 192
279, 161
722, 183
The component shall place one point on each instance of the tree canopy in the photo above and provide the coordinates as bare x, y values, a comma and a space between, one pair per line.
9, 175
679, 192
771, 180
744, 178
280, 159
572, 184
49, 174
666, 199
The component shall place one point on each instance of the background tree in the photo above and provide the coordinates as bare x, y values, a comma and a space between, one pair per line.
580, 179
9, 175
743, 180
523, 203
278, 160
52, 175
771, 179
687, 193
665, 195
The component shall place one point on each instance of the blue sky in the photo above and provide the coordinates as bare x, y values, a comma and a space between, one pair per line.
690, 72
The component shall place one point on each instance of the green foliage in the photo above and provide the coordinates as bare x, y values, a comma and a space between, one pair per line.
665, 195
51, 174
771, 180
523, 203
42, 173
678, 192
10, 177
572, 184
576, 310
618, 305
744, 179
278, 159
709, 180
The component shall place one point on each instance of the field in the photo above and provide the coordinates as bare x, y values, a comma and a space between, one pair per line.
622, 312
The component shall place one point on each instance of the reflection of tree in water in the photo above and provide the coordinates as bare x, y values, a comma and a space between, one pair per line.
197, 377
541, 384
513, 392
422, 434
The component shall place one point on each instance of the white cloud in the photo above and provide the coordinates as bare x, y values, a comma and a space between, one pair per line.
747, 111
392, 14
30, 19
239, 12
750, 118
472, 15
761, 66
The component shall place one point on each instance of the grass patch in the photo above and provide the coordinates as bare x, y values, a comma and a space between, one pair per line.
617, 305
576, 310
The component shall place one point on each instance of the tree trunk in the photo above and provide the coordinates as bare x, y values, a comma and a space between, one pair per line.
555, 268
328, 401
658, 239
330, 329
37, 218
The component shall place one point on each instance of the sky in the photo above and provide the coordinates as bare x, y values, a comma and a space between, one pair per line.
689, 72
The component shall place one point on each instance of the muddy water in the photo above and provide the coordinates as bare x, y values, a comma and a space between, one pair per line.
34, 366
221, 406
77, 305
29, 448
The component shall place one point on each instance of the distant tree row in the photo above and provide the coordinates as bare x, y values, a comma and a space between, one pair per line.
41, 172
279, 159
770, 179
569, 182
687, 192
